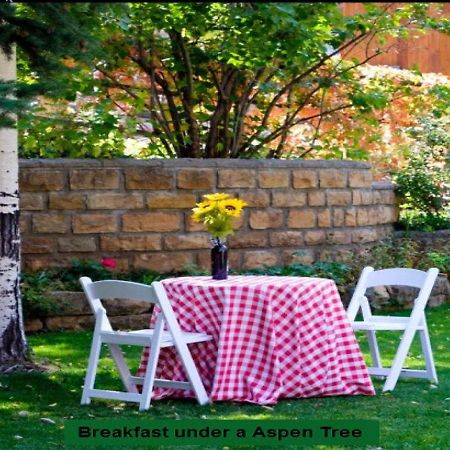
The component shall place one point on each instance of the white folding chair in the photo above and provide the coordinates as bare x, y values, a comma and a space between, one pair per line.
409, 325
155, 338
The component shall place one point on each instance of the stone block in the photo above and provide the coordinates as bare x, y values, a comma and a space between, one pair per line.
77, 244
37, 180
339, 237
163, 262
151, 221
286, 238
127, 243
36, 244
364, 235
32, 325
190, 225
261, 220
32, 201
259, 258
361, 197
339, 198
94, 223
115, 201
324, 218
315, 237
363, 217
81, 179
301, 256
49, 223
304, 178
350, 217
302, 218
249, 239
360, 178
148, 178
186, 241
338, 217
273, 178
288, 199
196, 179
332, 178
25, 223
316, 198
170, 200
66, 201
237, 178
256, 199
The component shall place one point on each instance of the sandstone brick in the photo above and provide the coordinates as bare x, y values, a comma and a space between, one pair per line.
259, 258
316, 198
273, 178
43, 262
302, 218
288, 199
196, 179
324, 218
94, 223
302, 256
25, 223
31, 201
32, 325
384, 197
256, 199
49, 223
171, 200
302, 178
77, 244
148, 178
94, 179
190, 225
186, 241
361, 197
151, 221
338, 217
360, 178
163, 262
237, 178
333, 178
115, 201
127, 243
363, 235
339, 198
34, 244
315, 237
251, 239
363, 217
350, 217
66, 201
32, 180
286, 238
261, 220
339, 237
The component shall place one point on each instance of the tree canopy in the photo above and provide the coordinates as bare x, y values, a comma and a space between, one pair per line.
208, 80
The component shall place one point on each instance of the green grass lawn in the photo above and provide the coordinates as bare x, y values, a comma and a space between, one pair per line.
415, 416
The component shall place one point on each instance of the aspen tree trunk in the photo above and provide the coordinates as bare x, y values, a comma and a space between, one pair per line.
13, 344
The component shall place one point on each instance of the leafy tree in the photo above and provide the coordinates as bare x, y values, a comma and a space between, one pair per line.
208, 80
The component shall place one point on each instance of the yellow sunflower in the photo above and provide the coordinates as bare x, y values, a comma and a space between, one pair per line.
201, 210
216, 197
232, 207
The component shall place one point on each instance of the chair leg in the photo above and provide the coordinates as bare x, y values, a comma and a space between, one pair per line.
428, 353
149, 378
89, 381
193, 375
373, 346
122, 367
400, 357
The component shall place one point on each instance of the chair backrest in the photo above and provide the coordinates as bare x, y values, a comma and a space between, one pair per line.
108, 289
391, 277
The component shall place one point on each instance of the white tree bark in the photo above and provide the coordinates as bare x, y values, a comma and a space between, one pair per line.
12, 337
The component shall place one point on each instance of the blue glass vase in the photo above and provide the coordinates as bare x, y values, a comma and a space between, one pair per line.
219, 260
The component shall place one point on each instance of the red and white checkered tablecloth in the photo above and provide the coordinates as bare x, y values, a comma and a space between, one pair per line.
273, 337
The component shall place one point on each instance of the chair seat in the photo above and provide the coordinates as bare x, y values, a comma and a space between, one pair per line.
143, 337
383, 323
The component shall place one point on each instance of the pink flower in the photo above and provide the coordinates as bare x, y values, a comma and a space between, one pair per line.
108, 262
